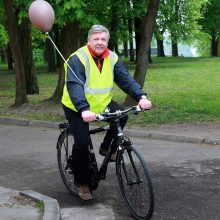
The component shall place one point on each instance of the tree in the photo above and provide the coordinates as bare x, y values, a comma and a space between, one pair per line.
160, 28
182, 20
145, 41
139, 11
210, 23
114, 24
21, 95
25, 45
25, 39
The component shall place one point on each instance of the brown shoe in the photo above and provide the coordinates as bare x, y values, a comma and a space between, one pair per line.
103, 152
84, 193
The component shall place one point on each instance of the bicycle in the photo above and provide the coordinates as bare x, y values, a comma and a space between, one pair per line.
131, 169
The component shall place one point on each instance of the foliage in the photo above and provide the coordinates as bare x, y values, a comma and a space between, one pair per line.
3, 28
3, 37
161, 21
180, 18
202, 44
210, 21
78, 10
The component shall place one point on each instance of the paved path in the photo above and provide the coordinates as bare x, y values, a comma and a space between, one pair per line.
185, 175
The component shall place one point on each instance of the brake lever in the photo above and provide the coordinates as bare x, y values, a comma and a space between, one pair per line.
99, 117
136, 109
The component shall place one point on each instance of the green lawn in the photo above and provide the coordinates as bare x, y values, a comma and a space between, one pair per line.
181, 89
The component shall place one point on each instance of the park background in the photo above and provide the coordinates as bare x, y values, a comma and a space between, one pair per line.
149, 36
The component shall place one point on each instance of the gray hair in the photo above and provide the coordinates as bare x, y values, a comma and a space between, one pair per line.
97, 28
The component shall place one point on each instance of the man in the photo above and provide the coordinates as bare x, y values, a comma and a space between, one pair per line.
88, 90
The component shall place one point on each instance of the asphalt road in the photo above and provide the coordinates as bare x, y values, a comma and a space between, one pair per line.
185, 176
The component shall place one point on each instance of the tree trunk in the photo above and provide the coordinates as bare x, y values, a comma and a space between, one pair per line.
50, 54
218, 47
9, 58
174, 45
21, 95
57, 42
2, 57
138, 25
70, 40
145, 42
114, 25
218, 37
149, 56
25, 39
174, 50
125, 41
218, 44
131, 51
214, 46
125, 51
160, 48
116, 48
130, 30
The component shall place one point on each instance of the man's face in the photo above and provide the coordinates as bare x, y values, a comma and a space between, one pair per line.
98, 42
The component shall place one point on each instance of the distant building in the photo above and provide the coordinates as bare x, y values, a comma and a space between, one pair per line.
183, 49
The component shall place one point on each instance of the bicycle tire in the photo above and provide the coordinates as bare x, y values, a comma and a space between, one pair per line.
64, 151
135, 182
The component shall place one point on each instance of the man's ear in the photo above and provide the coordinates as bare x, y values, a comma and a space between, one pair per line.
88, 43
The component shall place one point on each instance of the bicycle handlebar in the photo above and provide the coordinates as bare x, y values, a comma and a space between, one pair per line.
106, 115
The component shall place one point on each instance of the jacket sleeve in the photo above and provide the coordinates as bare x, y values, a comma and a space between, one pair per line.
126, 82
74, 87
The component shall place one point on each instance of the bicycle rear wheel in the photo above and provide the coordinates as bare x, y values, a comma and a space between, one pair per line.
135, 182
64, 151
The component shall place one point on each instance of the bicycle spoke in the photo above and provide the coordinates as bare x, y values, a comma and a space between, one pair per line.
63, 154
135, 184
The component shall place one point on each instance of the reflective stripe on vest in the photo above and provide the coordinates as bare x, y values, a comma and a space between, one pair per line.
87, 72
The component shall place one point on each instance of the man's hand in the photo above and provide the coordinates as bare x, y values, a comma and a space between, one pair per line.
145, 104
88, 116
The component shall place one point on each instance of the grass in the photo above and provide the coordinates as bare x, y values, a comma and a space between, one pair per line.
40, 206
182, 90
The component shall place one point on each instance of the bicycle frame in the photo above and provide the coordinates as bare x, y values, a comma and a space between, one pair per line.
101, 175
101, 171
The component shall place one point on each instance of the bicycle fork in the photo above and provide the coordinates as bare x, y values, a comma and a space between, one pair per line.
121, 149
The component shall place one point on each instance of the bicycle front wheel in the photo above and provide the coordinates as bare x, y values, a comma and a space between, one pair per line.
64, 151
135, 182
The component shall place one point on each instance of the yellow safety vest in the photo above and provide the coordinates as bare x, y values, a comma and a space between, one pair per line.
98, 87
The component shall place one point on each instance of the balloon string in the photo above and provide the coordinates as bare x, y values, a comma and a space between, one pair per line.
70, 67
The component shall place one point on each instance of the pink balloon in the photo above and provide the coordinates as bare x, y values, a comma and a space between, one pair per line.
41, 15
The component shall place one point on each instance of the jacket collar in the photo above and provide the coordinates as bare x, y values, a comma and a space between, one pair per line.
104, 55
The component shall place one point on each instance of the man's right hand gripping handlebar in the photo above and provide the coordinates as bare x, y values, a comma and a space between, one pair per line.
88, 116
145, 104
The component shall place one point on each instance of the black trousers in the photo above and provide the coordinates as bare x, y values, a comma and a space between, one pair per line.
80, 131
